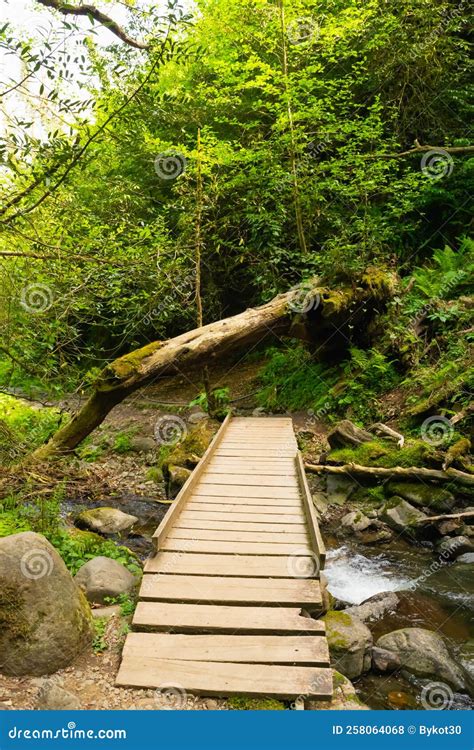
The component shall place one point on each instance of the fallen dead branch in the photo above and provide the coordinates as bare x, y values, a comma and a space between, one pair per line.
431, 475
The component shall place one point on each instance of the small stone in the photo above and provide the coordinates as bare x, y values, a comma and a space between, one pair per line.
211, 704
356, 521
143, 444
384, 660
51, 697
107, 612
196, 417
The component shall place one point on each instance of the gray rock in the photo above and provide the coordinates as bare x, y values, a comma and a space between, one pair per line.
423, 495
196, 417
339, 489
380, 536
356, 521
326, 596
400, 515
466, 558
105, 521
140, 444
423, 653
375, 607
52, 697
384, 660
320, 503
350, 643
107, 612
45, 620
344, 698
453, 548
103, 578
346, 433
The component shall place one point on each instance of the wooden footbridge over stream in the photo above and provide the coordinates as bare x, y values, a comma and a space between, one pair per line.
228, 603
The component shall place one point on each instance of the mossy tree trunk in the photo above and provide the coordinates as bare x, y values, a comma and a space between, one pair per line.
203, 346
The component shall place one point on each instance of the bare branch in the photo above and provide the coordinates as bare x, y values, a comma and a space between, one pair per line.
419, 149
92, 12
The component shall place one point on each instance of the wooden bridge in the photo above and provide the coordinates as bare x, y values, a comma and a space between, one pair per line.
227, 605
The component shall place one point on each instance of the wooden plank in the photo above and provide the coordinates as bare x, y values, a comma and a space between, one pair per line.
248, 502
231, 548
261, 471
180, 500
247, 480
210, 618
255, 453
240, 566
242, 516
264, 442
281, 537
284, 592
231, 490
191, 524
226, 679
248, 649
313, 525
238, 505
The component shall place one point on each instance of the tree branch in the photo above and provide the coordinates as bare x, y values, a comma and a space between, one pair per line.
419, 149
435, 475
92, 12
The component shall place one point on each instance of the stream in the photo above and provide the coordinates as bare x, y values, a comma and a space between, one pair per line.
442, 600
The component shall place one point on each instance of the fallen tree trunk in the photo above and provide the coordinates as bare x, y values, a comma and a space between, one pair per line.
375, 472
125, 375
308, 312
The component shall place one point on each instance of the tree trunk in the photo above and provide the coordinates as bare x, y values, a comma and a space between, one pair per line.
161, 359
205, 344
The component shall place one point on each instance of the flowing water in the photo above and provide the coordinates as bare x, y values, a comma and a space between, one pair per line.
437, 599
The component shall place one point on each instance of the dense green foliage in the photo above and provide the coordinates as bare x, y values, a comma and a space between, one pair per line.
118, 237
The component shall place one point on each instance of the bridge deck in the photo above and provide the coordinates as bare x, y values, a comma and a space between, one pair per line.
225, 603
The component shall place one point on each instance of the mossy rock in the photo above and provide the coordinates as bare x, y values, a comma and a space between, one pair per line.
186, 454
401, 516
423, 495
243, 703
45, 620
350, 643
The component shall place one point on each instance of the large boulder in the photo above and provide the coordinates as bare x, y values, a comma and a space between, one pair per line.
454, 547
346, 434
401, 516
423, 495
423, 653
45, 620
350, 643
103, 578
106, 521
